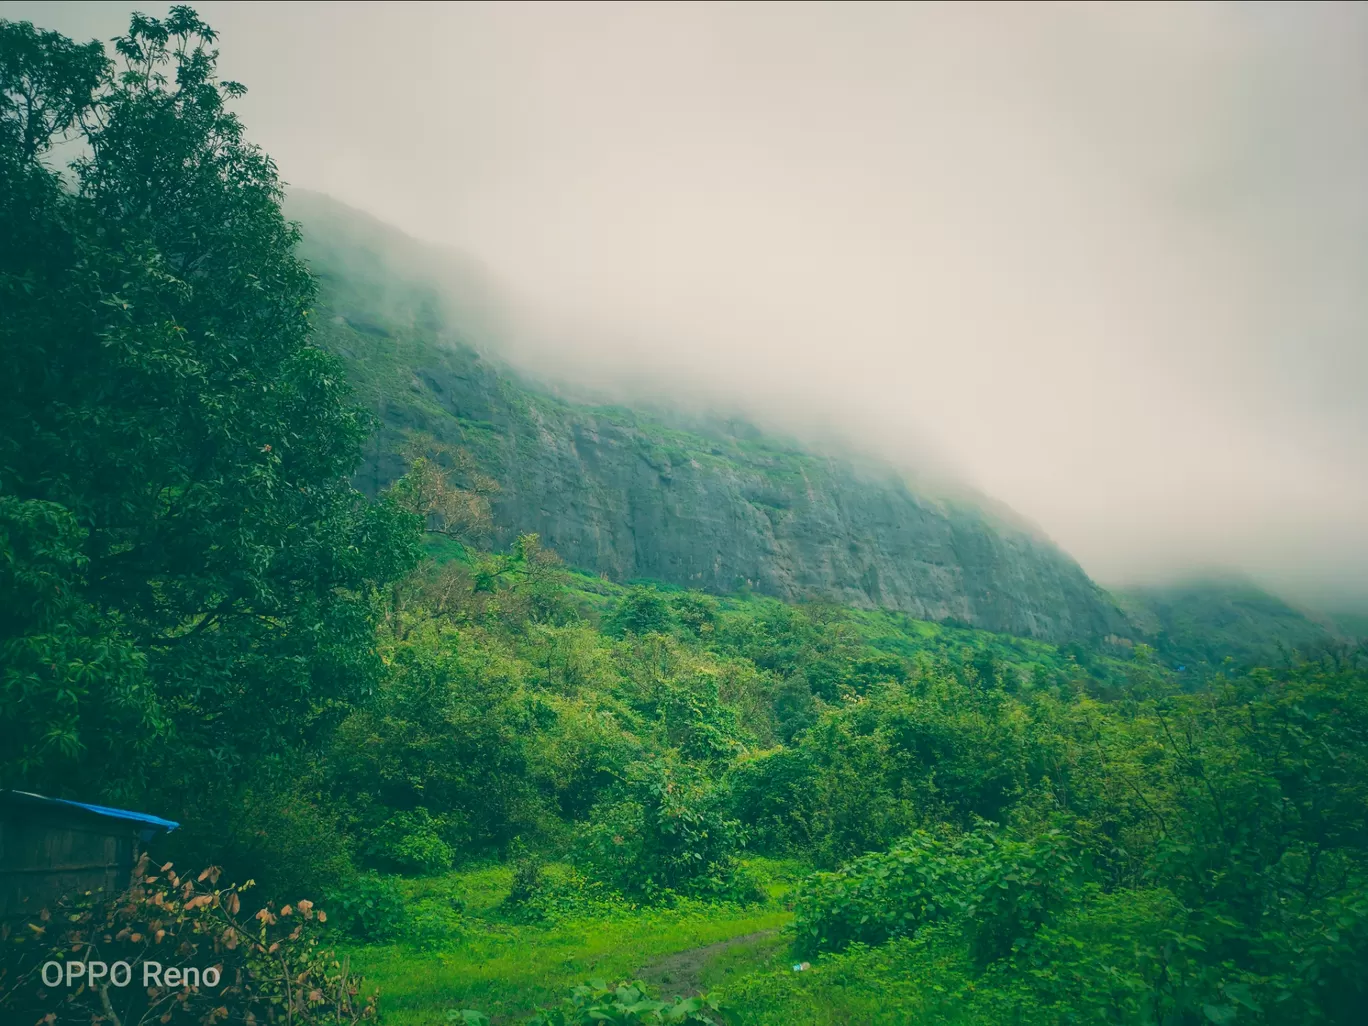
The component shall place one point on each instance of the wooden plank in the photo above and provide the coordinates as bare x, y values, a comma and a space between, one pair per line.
46, 856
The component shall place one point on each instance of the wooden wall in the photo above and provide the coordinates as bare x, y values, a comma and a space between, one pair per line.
47, 853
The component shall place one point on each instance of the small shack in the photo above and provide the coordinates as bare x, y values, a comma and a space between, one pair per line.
50, 847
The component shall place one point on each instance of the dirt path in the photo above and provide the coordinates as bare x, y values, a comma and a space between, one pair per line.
682, 972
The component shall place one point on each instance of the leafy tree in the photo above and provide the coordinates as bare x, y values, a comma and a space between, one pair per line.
445, 486
75, 700
696, 612
666, 831
47, 85
160, 388
641, 611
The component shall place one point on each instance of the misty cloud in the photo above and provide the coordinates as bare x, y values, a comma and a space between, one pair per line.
1109, 263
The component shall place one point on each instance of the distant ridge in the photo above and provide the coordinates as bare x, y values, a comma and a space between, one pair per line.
1205, 621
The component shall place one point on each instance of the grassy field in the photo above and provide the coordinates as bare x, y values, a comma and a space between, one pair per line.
479, 956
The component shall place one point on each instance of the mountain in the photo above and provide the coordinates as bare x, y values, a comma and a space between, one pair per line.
715, 505
1199, 624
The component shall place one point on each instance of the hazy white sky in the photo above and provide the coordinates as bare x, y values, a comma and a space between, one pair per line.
1111, 263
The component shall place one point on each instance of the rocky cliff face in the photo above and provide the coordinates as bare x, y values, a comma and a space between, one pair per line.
627, 495
606, 496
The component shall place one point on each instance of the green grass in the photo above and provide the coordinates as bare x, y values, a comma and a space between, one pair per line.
505, 968
765, 954
898, 984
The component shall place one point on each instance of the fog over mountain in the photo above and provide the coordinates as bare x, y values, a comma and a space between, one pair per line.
1106, 264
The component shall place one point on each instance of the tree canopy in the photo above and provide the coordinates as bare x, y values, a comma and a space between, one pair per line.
175, 452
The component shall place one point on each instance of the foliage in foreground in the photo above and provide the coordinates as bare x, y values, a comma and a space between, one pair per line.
465, 946
269, 967
189, 576
1238, 892
1002, 886
623, 1004
626, 1004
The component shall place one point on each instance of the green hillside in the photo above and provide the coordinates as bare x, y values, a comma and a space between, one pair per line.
1200, 625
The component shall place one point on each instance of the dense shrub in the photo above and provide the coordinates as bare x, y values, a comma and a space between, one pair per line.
269, 966
641, 611
1016, 886
286, 840
1001, 888
772, 793
696, 721
527, 880
410, 842
583, 750
448, 732
696, 612
627, 1004
666, 831
369, 907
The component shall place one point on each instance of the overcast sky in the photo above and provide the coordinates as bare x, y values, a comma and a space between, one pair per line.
1109, 263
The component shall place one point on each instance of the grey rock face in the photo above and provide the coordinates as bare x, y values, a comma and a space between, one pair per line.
623, 495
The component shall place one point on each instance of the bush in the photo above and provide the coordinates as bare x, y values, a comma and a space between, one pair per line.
1018, 887
370, 907
563, 894
641, 611
696, 612
288, 843
667, 831
1001, 889
527, 879
434, 923
772, 794
268, 966
411, 842
698, 724
628, 1004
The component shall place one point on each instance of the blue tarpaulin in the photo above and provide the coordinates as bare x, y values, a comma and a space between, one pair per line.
150, 824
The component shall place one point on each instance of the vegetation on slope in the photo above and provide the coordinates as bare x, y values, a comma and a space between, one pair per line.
1201, 624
